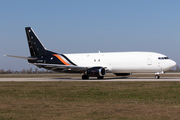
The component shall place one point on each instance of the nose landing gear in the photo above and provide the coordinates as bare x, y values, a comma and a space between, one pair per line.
157, 74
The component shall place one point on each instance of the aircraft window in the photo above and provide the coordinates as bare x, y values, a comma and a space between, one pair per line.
166, 57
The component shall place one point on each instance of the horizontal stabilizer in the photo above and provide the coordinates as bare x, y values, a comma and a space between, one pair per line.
28, 58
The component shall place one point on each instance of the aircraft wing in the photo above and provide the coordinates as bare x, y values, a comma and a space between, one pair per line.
62, 68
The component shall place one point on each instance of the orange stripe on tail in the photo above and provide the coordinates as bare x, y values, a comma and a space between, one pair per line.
61, 59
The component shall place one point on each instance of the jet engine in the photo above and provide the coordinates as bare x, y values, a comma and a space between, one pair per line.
96, 72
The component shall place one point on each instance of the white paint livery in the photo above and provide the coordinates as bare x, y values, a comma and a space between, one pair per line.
124, 62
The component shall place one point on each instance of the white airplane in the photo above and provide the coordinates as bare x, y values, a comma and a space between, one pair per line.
96, 64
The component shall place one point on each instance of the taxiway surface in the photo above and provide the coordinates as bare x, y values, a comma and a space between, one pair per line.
91, 79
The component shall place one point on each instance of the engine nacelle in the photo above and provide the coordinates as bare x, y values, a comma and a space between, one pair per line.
96, 72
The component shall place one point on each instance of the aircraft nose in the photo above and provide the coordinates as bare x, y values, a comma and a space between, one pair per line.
172, 63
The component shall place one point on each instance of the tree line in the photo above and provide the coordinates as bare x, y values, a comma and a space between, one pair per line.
24, 71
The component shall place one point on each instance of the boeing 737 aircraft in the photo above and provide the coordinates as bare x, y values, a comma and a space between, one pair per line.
95, 64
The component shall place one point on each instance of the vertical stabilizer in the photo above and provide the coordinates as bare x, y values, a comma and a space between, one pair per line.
35, 46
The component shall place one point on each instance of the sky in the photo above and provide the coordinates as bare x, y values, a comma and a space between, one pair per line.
83, 26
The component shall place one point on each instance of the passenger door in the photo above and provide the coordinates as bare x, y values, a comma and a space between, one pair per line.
149, 60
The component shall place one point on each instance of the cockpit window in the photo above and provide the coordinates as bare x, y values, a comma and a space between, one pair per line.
162, 58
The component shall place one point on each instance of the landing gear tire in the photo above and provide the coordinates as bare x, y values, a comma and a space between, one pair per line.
157, 76
100, 77
85, 77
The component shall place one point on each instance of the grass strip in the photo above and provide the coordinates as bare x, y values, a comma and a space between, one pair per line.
89, 100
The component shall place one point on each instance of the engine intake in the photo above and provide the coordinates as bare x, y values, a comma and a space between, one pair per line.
96, 72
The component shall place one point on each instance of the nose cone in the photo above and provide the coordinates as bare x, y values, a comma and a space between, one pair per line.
172, 63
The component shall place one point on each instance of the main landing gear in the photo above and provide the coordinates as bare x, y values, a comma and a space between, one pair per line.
100, 77
85, 77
